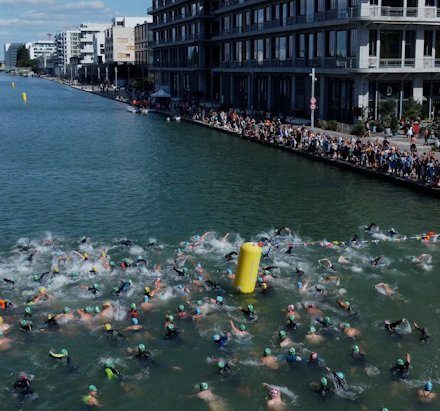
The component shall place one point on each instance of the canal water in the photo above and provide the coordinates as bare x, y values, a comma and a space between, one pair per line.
75, 164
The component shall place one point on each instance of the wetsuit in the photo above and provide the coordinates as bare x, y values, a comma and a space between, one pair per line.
249, 314
375, 261
144, 357
230, 256
213, 285
222, 342
27, 327
23, 386
424, 334
225, 370
180, 272
370, 227
292, 359
271, 267
401, 371
339, 382
31, 256
171, 333
42, 275
127, 243
114, 333
141, 260
93, 290
123, 288
391, 327
51, 322
292, 325
290, 249
7, 280
5, 304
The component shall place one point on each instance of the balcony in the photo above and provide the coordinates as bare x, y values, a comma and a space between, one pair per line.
403, 12
164, 4
177, 39
177, 19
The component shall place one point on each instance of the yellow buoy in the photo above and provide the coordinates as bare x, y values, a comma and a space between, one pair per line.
13, 85
24, 96
247, 268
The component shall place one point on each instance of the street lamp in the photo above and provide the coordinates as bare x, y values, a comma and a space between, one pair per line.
312, 99
116, 77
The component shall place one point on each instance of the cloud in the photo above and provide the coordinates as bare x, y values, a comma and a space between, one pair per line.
27, 2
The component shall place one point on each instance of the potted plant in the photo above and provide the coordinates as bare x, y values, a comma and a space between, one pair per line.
386, 110
386, 123
394, 124
373, 126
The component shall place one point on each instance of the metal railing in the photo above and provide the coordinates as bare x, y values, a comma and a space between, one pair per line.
164, 3
177, 39
178, 18
337, 62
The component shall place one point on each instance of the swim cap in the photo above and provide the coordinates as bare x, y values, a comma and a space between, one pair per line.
179, 286
400, 362
170, 327
107, 327
312, 330
139, 257
41, 290
355, 348
96, 286
181, 307
428, 386
85, 255
200, 278
1, 333
198, 311
36, 277
97, 309
130, 282
290, 307
23, 323
185, 270
340, 375
170, 318
327, 320
89, 310
146, 298
74, 274
112, 264
292, 351
282, 334
199, 303
56, 270
133, 306
134, 321
265, 286
251, 308
203, 386
260, 280
64, 352
267, 352
49, 316
229, 271
242, 327
219, 299
92, 388
115, 289
66, 310
179, 250
106, 304
27, 310
147, 289
215, 337
141, 347
347, 303
109, 364
199, 265
221, 364
346, 325
291, 318
324, 382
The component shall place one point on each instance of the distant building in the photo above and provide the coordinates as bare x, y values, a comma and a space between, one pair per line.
143, 37
11, 50
41, 48
119, 39
68, 46
99, 47
86, 40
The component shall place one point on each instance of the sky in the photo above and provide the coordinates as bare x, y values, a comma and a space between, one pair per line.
29, 20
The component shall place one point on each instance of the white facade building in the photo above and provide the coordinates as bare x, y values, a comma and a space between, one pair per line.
87, 31
119, 39
99, 47
41, 48
67, 47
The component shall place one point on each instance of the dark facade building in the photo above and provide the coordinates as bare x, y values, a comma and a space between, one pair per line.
143, 38
259, 54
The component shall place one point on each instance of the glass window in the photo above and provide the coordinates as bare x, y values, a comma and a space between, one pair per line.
410, 44
330, 43
373, 43
390, 44
428, 42
353, 43
260, 50
341, 44
267, 48
300, 45
282, 48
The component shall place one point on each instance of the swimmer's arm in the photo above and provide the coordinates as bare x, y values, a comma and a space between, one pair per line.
408, 358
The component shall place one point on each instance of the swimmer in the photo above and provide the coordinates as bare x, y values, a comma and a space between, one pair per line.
8, 281
289, 248
249, 312
5, 304
274, 401
42, 295
424, 334
323, 386
40, 277
5, 343
291, 311
126, 243
325, 322
291, 324
141, 260
314, 338
135, 326
346, 306
401, 369
85, 314
371, 227
91, 399
291, 357
64, 354
230, 274
343, 260
284, 340
223, 367
94, 289
265, 289
391, 233
392, 326
110, 371
217, 301
23, 386
315, 360
425, 394
145, 304
182, 273
66, 316
384, 289
375, 261
338, 379
349, 331
50, 321
4, 326
31, 256
332, 279
214, 402
326, 263
171, 331
142, 355
313, 310
125, 286
357, 353
107, 311
25, 325
231, 256
108, 330
269, 360
283, 231
240, 331
133, 312
125, 263
221, 340
181, 313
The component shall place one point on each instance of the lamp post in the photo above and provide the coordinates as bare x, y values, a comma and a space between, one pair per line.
116, 77
106, 74
312, 99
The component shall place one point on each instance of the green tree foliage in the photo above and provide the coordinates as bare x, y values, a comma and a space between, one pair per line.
23, 59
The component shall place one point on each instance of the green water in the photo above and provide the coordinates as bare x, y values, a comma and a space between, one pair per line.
74, 164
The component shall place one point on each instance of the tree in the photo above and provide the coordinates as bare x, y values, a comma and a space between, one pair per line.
412, 109
23, 58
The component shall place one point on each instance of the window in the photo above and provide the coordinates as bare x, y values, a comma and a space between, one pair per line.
428, 42
193, 55
341, 44
267, 48
282, 48
352, 51
410, 44
373, 43
330, 43
300, 45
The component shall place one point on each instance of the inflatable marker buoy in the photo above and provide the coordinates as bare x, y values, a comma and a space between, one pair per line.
247, 268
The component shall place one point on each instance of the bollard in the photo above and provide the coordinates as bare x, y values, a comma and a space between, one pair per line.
24, 96
247, 268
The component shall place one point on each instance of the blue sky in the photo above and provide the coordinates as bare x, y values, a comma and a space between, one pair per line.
28, 20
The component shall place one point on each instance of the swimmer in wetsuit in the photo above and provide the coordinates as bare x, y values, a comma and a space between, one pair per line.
375, 261
8, 281
23, 386
249, 312
392, 326
372, 226
401, 369
231, 256
182, 272
424, 334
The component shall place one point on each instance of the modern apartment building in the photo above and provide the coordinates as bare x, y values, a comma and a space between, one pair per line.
87, 31
143, 37
259, 54
68, 47
119, 39
11, 50
42, 48
99, 47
